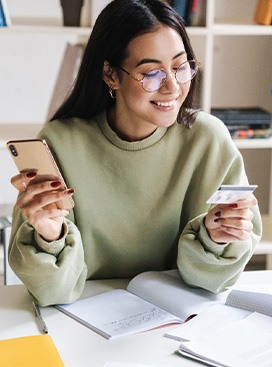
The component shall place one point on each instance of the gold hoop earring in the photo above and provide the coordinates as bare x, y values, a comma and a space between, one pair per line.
112, 93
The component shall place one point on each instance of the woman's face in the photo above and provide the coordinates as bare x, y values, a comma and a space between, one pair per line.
137, 113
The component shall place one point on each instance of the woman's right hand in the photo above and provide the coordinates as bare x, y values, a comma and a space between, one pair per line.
37, 200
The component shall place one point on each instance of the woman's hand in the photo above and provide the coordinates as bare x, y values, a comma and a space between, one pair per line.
37, 200
231, 222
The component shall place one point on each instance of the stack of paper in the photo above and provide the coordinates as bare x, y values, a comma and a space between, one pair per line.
235, 334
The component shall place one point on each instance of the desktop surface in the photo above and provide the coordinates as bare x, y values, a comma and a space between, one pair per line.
78, 346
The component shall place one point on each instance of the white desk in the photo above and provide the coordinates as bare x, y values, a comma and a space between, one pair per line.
81, 347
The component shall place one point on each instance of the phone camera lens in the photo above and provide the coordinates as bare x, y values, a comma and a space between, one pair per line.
13, 150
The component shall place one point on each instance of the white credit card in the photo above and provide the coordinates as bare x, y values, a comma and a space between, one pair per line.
227, 194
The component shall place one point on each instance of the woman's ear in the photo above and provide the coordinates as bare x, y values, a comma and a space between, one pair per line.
110, 76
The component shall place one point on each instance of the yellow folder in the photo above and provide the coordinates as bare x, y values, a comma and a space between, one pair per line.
29, 351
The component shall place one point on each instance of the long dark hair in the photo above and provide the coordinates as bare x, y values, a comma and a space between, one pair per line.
118, 23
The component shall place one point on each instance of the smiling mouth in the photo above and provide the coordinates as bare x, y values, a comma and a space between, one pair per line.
164, 104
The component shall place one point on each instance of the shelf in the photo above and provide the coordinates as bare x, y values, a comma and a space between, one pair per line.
77, 31
232, 29
264, 248
197, 31
253, 143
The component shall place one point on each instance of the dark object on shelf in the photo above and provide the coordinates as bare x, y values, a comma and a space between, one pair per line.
4, 14
71, 10
246, 123
193, 12
243, 116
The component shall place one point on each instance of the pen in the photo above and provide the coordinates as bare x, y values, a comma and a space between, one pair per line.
40, 318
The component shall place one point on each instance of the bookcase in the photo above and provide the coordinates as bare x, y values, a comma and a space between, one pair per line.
237, 72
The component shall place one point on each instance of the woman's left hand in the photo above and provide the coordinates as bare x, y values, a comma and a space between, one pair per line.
231, 222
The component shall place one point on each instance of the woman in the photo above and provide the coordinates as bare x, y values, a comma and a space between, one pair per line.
140, 165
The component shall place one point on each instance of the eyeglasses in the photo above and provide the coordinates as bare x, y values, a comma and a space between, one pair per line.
153, 80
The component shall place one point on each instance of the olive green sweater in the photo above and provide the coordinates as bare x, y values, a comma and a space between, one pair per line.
138, 206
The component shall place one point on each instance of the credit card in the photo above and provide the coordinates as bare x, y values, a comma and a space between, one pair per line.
227, 194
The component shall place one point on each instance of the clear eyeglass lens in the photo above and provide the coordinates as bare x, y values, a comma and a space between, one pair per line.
155, 78
186, 71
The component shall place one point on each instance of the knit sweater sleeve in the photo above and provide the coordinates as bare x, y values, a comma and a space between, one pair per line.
206, 264
52, 272
202, 262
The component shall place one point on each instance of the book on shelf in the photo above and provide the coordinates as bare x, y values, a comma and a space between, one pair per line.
28, 351
263, 12
67, 74
247, 132
152, 299
193, 12
198, 16
246, 123
181, 6
4, 14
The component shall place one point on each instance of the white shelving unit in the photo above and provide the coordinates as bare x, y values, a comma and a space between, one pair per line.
237, 72
238, 68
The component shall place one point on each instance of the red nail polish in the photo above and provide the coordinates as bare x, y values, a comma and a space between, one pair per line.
31, 174
55, 184
71, 191
233, 206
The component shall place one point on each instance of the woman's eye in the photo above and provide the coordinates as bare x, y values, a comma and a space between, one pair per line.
152, 73
183, 66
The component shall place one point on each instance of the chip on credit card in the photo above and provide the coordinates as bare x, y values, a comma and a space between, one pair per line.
227, 194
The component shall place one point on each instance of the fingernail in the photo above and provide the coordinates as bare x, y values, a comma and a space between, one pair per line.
31, 174
55, 184
70, 191
233, 206
218, 214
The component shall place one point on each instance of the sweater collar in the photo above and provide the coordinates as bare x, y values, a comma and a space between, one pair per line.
127, 145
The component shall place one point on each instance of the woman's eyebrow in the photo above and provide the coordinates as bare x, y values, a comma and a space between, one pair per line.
155, 61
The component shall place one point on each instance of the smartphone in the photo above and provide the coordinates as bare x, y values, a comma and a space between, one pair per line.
227, 194
35, 155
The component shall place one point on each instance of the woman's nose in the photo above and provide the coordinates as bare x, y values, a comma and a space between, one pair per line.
169, 82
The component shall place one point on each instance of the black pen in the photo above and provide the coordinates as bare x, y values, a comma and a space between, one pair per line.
40, 318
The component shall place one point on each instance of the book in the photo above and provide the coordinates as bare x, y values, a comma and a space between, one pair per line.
191, 12
67, 74
246, 132
245, 342
181, 7
239, 304
28, 351
4, 14
244, 116
263, 12
152, 299
198, 18
246, 123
